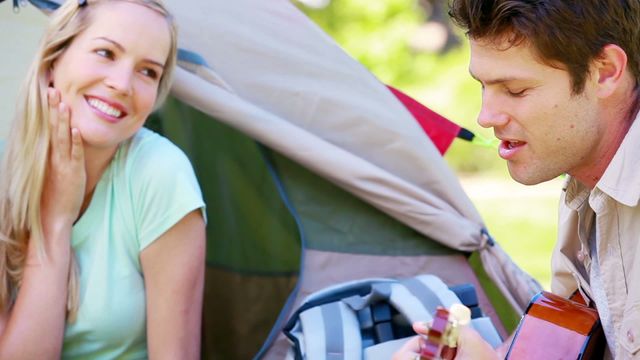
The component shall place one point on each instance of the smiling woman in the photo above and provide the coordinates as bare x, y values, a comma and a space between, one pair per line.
101, 221
109, 76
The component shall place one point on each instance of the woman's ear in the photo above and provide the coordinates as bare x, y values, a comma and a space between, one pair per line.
610, 68
49, 77
49, 74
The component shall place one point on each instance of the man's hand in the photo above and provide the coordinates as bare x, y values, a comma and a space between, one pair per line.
470, 345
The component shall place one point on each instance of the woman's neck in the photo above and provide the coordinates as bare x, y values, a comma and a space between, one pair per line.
96, 162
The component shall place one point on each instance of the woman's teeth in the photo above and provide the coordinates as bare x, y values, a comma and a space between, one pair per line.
104, 107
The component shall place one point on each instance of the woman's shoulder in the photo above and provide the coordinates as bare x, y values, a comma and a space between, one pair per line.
149, 159
149, 149
148, 140
156, 181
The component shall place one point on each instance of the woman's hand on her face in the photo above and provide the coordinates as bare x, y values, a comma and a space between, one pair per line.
65, 181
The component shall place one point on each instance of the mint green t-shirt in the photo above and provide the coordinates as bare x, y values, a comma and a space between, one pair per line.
148, 187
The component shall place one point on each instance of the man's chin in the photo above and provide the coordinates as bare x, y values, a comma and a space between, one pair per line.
527, 178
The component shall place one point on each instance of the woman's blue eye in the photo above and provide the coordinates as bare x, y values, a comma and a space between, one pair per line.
105, 53
150, 73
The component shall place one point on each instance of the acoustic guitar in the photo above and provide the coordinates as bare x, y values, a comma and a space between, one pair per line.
557, 328
552, 328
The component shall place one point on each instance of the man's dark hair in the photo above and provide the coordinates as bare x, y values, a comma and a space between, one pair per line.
563, 32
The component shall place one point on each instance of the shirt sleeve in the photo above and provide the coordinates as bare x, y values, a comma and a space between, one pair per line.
164, 188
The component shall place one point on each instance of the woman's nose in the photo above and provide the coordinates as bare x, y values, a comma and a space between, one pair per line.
120, 79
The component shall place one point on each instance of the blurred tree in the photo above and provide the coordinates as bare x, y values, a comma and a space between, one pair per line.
374, 32
383, 36
436, 34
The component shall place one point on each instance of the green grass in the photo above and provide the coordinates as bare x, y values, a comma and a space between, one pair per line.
522, 219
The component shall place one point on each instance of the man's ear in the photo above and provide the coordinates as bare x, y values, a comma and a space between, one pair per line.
609, 69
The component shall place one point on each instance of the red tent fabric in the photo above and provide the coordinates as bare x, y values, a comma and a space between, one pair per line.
441, 130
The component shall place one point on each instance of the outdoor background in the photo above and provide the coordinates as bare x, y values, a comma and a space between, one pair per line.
406, 44
411, 45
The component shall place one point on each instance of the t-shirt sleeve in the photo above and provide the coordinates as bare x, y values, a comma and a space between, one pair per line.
164, 189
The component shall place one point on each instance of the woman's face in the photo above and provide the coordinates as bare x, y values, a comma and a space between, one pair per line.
109, 74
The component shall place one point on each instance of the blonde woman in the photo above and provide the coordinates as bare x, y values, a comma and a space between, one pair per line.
101, 221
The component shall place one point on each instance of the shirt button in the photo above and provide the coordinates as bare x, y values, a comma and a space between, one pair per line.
580, 256
630, 336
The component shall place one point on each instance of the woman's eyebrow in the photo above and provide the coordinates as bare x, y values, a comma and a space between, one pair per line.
121, 48
115, 43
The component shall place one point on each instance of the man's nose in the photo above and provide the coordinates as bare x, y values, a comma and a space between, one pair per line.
491, 113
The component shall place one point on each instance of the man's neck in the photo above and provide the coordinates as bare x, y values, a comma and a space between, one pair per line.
617, 128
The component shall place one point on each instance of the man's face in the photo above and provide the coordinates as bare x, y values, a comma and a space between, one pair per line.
545, 129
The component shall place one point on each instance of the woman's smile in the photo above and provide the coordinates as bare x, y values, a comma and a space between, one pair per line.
110, 111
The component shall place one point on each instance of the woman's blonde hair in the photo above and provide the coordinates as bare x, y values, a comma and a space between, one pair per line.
22, 172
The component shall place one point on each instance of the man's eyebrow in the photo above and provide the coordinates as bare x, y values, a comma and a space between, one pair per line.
499, 80
121, 48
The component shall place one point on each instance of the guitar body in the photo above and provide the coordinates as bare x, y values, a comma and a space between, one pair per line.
557, 328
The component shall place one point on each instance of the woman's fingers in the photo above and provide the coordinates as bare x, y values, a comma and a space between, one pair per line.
53, 98
63, 132
63, 142
77, 151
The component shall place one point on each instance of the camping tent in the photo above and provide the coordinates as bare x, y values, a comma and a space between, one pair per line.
313, 173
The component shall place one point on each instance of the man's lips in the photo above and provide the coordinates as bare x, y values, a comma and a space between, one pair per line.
509, 148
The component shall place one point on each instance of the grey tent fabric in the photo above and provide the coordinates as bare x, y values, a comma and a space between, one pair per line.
284, 82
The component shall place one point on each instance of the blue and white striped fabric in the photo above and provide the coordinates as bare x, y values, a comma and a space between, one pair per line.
369, 318
333, 332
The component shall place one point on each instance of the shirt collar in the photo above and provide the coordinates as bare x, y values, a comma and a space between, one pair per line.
575, 193
621, 179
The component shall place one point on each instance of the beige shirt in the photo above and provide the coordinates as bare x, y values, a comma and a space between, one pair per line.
613, 206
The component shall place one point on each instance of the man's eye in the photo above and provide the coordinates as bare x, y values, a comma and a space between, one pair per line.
105, 53
516, 93
150, 73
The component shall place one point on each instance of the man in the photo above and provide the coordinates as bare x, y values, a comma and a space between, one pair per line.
560, 89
